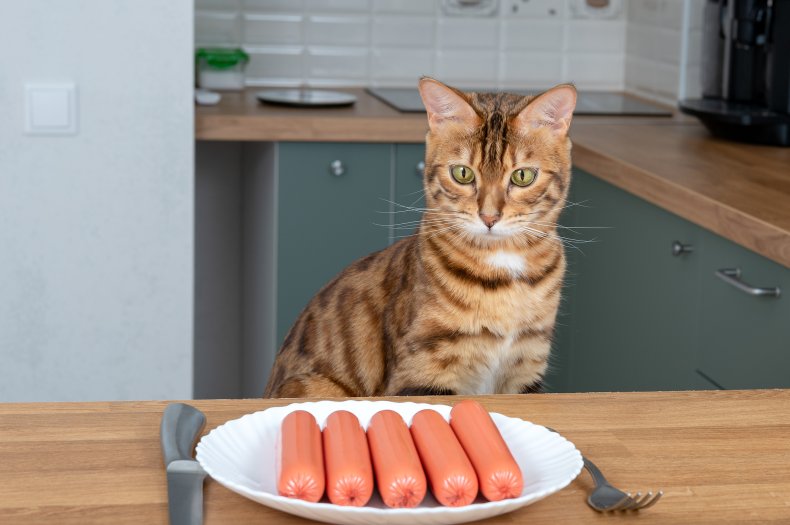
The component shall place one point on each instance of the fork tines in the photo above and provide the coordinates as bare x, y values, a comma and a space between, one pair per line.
639, 501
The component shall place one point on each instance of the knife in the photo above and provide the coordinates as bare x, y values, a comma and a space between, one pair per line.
181, 425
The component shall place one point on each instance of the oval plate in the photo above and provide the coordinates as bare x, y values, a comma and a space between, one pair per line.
241, 456
306, 97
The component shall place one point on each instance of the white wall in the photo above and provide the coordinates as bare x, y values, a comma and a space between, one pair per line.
526, 43
96, 229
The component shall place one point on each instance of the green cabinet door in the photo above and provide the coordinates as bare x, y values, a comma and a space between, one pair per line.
744, 339
631, 314
328, 216
409, 166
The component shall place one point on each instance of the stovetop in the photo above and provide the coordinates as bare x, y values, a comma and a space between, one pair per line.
611, 103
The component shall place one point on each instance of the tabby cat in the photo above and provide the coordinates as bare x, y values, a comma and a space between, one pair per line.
467, 305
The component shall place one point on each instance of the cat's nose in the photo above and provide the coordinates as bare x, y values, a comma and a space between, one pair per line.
490, 220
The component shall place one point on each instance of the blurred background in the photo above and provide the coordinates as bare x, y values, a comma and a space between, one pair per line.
128, 248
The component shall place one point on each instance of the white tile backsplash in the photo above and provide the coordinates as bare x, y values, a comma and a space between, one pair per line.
533, 35
275, 65
596, 36
532, 69
273, 6
595, 70
218, 4
467, 33
533, 8
327, 64
657, 64
527, 43
337, 6
217, 28
391, 66
403, 31
337, 30
654, 43
425, 7
468, 67
272, 29
660, 13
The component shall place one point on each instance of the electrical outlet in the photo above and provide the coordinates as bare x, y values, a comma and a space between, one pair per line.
534, 8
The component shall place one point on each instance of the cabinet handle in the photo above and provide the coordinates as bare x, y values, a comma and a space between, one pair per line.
337, 168
678, 248
420, 169
732, 276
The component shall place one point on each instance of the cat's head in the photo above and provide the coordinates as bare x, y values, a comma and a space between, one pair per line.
497, 165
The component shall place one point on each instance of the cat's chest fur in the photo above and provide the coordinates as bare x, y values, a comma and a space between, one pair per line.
504, 315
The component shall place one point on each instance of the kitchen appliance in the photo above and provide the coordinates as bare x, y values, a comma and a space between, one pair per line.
588, 102
746, 71
306, 97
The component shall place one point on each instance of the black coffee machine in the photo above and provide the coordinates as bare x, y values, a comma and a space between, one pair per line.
745, 71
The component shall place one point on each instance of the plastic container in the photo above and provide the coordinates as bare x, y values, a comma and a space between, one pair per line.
220, 68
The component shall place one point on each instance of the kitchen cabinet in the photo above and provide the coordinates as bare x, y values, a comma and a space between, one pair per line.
328, 198
408, 173
638, 316
745, 338
633, 316
629, 314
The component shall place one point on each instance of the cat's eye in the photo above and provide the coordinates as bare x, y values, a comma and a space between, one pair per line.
524, 176
462, 174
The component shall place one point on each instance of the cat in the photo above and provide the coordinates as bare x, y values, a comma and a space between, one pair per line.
468, 304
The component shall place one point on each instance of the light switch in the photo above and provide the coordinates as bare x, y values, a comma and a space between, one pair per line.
51, 109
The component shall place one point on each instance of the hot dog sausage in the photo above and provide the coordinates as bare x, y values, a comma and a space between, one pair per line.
452, 478
349, 474
300, 463
399, 475
497, 471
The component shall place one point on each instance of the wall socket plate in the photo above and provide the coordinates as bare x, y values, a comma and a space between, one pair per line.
51, 109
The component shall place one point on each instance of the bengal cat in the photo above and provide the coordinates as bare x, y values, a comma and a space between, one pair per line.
468, 304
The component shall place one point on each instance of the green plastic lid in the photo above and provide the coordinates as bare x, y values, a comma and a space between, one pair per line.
222, 58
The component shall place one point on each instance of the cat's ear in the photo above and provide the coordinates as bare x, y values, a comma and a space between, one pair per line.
552, 109
445, 105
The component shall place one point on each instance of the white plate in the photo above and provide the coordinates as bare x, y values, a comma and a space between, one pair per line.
240, 456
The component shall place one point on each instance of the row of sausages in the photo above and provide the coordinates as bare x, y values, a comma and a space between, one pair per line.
459, 458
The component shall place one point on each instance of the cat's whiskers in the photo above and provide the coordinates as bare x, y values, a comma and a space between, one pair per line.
565, 241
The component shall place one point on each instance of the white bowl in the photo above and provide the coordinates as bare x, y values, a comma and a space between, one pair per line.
240, 456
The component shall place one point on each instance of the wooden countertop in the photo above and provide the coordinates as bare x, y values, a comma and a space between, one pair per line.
720, 457
741, 192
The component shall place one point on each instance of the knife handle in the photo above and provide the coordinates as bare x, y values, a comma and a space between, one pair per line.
181, 425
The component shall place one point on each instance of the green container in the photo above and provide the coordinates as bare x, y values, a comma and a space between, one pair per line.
221, 68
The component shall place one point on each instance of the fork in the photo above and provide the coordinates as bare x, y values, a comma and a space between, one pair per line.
606, 498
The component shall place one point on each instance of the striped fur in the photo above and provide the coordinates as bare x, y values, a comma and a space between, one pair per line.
440, 312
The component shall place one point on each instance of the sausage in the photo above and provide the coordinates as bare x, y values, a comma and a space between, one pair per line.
399, 475
497, 471
349, 474
452, 478
300, 463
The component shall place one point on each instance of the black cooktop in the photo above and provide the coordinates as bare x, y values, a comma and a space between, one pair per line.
613, 103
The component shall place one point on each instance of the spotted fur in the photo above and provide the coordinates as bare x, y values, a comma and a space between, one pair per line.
458, 308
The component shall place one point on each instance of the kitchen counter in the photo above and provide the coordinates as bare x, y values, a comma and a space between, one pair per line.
720, 457
739, 191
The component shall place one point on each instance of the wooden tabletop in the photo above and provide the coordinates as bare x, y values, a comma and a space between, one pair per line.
719, 456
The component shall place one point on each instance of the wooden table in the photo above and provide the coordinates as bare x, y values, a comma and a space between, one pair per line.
719, 456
